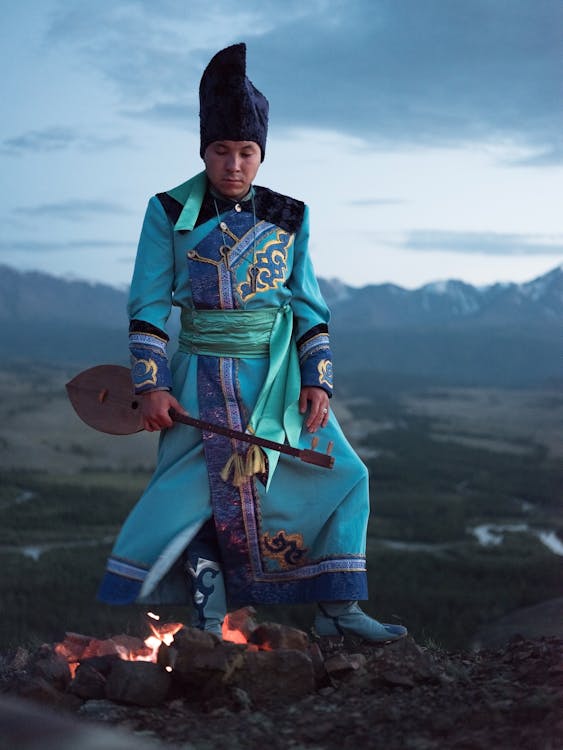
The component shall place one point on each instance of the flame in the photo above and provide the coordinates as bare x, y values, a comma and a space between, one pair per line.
75, 648
160, 634
238, 625
233, 636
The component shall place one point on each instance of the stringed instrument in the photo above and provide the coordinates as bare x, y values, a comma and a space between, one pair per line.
104, 398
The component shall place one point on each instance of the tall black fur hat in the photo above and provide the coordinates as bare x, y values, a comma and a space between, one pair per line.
230, 107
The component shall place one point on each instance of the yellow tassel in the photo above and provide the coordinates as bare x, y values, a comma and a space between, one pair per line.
255, 461
236, 465
242, 470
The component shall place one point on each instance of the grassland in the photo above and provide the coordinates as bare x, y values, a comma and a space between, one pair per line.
441, 461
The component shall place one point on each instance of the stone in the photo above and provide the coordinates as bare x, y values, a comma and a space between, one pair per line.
267, 675
141, 683
402, 663
51, 666
341, 665
240, 621
205, 671
88, 682
272, 636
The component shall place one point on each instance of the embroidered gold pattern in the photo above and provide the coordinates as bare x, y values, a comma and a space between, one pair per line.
270, 266
144, 372
325, 372
286, 549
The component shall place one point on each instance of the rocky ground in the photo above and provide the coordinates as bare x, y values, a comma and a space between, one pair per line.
397, 697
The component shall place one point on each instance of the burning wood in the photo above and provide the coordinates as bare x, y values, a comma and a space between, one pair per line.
78, 648
251, 658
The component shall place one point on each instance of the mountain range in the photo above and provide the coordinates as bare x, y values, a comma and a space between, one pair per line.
445, 332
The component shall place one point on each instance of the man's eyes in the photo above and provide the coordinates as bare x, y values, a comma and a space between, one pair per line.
224, 152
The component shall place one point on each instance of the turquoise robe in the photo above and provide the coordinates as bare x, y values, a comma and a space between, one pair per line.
298, 537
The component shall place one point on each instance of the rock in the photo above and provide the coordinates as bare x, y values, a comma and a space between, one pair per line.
19, 661
272, 636
266, 675
52, 667
402, 663
140, 683
342, 664
241, 621
193, 638
88, 683
318, 661
206, 670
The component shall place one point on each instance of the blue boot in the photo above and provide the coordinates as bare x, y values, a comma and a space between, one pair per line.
208, 594
347, 619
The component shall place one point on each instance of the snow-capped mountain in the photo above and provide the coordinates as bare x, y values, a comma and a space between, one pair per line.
443, 332
446, 302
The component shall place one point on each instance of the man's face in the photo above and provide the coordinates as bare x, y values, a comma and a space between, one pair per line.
231, 166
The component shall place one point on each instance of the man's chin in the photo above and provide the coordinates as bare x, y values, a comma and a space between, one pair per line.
233, 190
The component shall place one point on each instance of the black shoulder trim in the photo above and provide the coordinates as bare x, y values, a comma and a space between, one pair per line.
278, 209
141, 326
171, 206
314, 331
208, 210
281, 210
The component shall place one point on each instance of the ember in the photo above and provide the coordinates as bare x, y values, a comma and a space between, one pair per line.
195, 663
78, 648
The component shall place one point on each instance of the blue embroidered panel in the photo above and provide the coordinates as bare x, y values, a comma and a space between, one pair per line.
149, 369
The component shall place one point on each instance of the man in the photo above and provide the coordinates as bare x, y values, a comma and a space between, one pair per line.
246, 526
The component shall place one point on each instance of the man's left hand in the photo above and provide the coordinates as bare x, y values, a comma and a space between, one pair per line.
317, 400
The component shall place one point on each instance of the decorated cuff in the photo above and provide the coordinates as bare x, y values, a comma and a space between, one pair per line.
315, 358
149, 363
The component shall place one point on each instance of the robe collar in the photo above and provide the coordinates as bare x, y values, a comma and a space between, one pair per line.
191, 195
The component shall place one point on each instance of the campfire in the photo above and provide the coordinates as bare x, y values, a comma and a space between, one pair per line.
175, 659
76, 648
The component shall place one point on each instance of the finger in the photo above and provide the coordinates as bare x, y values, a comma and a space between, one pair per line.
322, 414
154, 425
312, 416
303, 403
177, 406
315, 418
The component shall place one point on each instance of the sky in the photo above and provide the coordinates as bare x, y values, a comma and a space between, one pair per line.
425, 135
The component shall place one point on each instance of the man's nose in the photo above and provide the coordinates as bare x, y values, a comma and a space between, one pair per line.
233, 163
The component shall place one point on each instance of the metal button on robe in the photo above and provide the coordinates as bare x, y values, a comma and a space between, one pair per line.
238, 207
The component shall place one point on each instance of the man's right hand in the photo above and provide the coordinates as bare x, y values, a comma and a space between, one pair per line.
155, 406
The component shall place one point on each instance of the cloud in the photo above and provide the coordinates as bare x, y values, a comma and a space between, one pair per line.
546, 157
57, 139
40, 141
47, 246
366, 202
72, 210
484, 243
169, 112
389, 71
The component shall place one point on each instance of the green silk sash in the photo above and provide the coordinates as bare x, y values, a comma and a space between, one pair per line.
252, 334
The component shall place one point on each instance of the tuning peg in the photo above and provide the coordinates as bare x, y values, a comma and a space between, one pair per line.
329, 447
314, 442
